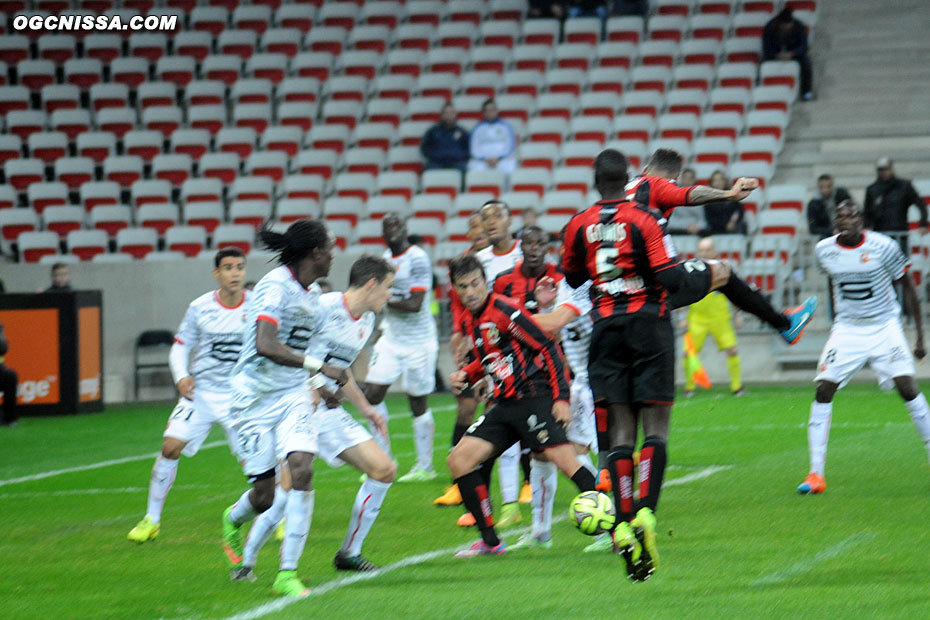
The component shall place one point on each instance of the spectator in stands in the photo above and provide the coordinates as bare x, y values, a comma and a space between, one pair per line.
722, 217
785, 38
530, 218
887, 201
687, 220
587, 8
821, 210
493, 142
61, 279
8, 382
546, 9
445, 144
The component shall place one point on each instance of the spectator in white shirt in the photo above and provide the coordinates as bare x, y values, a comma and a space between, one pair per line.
493, 143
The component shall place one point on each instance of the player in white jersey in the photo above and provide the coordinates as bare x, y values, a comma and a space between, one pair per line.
271, 401
343, 324
864, 266
409, 346
571, 316
212, 330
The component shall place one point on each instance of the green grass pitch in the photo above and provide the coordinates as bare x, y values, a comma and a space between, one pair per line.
736, 541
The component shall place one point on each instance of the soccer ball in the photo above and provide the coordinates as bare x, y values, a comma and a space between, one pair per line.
593, 512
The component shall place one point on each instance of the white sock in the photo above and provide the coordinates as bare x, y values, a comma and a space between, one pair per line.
365, 510
508, 468
585, 461
163, 473
920, 414
423, 427
299, 512
242, 510
818, 432
384, 441
544, 478
263, 527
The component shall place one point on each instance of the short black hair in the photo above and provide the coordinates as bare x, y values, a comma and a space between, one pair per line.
824, 177
494, 201
850, 204
464, 264
487, 102
610, 171
534, 230
447, 104
226, 253
58, 266
666, 160
367, 267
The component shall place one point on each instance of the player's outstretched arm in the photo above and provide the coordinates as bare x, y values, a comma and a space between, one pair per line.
702, 194
912, 302
554, 321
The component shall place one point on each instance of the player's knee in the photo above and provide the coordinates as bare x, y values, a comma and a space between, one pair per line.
825, 392
456, 464
262, 497
732, 352
301, 467
907, 388
171, 448
385, 472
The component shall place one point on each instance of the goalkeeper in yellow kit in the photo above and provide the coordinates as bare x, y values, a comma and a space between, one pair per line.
710, 315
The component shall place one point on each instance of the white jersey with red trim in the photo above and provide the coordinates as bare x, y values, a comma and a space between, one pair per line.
495, 263
413, 273
281, 300
338, 336
863, 277
214, 333
576, 336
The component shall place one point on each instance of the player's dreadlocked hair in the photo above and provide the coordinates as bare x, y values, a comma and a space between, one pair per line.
301, 238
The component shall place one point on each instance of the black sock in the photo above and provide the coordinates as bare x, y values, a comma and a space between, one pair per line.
748, 298
584, 479
525, 464
476, 499
652, 459
484, 470
458, 432
620, 466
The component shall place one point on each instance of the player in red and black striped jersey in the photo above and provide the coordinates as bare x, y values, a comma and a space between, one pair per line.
520, 282
657, 189
530, 390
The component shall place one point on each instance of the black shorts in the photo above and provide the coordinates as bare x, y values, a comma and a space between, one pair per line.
695, 286
632, 360
528, 420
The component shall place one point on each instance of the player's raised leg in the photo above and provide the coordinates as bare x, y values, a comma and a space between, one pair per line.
467, 455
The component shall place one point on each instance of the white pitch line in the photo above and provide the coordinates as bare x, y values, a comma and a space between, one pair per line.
802, 566
99, 491
278, 604
129, 459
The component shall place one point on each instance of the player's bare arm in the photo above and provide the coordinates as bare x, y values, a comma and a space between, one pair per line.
554, 321
268, 345
909, 292
354, 395
702, 194
562, 412
186, 387
413, 303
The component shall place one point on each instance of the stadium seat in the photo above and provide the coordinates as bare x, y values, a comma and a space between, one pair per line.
153, 191
574, 56
85, 244
729, 100
354, 184
772, 98
658, 53
701, 52
543, 129
666, 27
557, 105
290, 210
47, 145
297, 89
532, 57
342, 112
692, 77
20, 173
608, 80
11, 147
742, 49
73, 171
267, 65
535, 32
456, 35
190, 240
254, 17
148, 45
206, 215
252, 188
710, 26
673, 7
8, 197
533, 179
330, 39
385, 111
749, 24
317, 162
487, 181
14, 48
110, 218
159, 217
60, 97
347, 208
62, 219
443, 84
657, 78
71, 122
737, 75
172, 167
629, 28
379, 206
256, 116
435, 206
494, 58
405, 158
252, 212
721, 7
295, 15
786, 196
283, 139
767, 122
402, 183
572, 178
716, 150
109, 95
46, 194
36, 74
590, 128
13, 98
538, 155
151, 94
304, 186
14, 222
642, 102
22, 123
442, 182
234, 42
683, 126
33, 245
779, 221
467, 203
580, 153
755, 169
757, 148
137, 241
271, 164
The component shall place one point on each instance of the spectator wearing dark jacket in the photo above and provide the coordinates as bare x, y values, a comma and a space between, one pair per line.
887, 201
8, 384
445, 144
785, 38
821, 211
723, 217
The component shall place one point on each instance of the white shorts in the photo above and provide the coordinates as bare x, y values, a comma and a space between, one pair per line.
416, 363
850, 347
337, 432
272, 427
191, 421
582, 429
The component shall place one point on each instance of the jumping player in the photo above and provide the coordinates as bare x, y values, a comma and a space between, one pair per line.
271, 403
530, 390
212, 330
409, 346
343, 325
864, 267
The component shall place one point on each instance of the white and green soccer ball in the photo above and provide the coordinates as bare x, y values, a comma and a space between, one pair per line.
593, 512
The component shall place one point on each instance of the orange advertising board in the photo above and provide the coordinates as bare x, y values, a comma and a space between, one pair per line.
89, 353
34, 349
